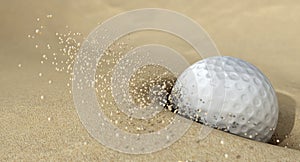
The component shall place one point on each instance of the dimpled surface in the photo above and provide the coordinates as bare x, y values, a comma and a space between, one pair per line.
248, 106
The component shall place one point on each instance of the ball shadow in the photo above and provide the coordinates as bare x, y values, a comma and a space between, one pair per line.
286, 118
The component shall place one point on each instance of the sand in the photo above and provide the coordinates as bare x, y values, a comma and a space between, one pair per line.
33, 128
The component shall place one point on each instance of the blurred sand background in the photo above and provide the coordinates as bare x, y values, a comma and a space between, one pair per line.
265, 33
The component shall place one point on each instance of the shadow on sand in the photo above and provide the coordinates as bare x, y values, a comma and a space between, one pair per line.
286, 118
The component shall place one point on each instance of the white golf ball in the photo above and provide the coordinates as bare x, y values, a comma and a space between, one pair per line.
229, 94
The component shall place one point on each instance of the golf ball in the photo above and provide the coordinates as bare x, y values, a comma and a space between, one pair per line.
230, 94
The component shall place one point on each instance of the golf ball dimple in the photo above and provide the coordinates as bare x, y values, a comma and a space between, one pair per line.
248, 108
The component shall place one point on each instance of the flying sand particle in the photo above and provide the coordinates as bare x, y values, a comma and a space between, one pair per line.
49, 16
226, 155
222, 142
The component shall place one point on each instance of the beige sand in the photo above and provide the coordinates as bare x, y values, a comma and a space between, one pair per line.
265, 33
